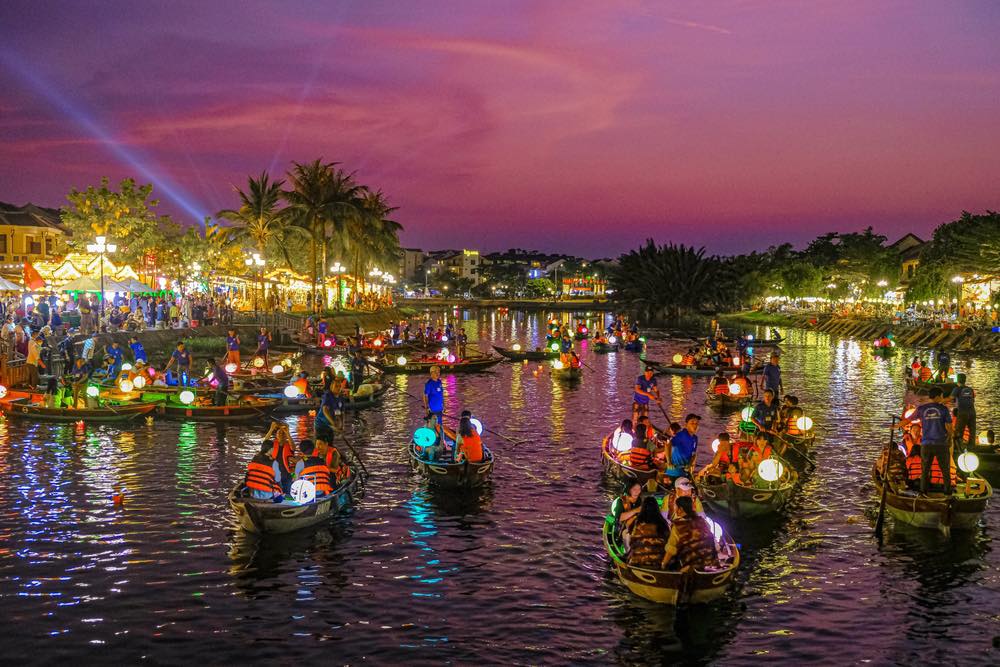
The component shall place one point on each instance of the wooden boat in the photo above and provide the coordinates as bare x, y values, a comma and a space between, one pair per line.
463, 475
673, 587
267, 517
883, 352
567, 373
467, 365
727, 401
529, 355
29, 405
247, 408
959, 511
918, 387
634, 346
989, 461
605, 348
796, 449
305, 404
616, 468
738, 500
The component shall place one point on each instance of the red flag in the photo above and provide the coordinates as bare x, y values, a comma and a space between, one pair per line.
32, 279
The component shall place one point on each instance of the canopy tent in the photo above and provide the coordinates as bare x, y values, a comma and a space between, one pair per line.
84, 284
134, 285
115, 286
8, 286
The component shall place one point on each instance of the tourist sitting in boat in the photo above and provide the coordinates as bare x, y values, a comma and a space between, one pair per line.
645, 390
689, 357
263, 475
765, 415
282, 450
682, 488
626, 507
924, 373
600, 338
725, 462
691, 545
788, 416
314, 469
338, 467
718, 384
639, 456
648, 537
622, 438
741, 381
468, 444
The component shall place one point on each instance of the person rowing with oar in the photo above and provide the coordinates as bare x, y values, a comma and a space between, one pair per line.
646, 390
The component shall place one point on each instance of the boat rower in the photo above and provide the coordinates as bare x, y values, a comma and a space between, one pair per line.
765, 415
645, 390
935, 431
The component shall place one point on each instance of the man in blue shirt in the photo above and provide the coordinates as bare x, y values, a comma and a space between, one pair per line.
645, 390
765, 415
117, 354
182, 358
772, 376
935, 429
682, 449
138, 351
434, 395
221, 384
965, 404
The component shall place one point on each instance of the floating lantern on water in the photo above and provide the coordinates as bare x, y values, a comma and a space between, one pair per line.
139, 382
93, 391
804, 423
516, 347
400, 360
770, 470
186, 397
735, 389
968, 462
231, 367
278, 369
258, 362
126, 386
303, 491
678, 358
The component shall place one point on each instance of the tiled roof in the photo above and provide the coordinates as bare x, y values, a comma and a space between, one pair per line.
30, 215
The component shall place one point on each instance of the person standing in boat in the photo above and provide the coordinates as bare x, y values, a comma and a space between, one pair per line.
645, 390
772, 376
434, 397
118, 356
943, 364
682, 449
138, 351
34, 360
935, 431
358, 367
221, 379
965, 420
182, 358
233, 348
263, 344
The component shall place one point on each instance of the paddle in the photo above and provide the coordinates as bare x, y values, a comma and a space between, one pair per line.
800, 452
880, 521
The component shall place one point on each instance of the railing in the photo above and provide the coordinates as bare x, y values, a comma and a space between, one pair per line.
269, 320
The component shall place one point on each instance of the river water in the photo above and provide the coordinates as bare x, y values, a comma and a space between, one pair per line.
515, 574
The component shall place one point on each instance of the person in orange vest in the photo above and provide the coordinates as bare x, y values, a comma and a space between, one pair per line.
314, 469
282, 450
935, 428
924, 374
263, 474
335, 462
302, 384
640, 457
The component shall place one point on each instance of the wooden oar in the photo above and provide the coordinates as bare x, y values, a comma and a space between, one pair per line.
800, 452
880, 520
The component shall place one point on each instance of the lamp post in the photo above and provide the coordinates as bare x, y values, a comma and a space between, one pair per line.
102, 247
958, 280
255, 263
337, 269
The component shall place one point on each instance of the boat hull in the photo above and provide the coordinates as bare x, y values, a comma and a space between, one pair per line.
525, 355
413, 368
267, 518
454, 475
107, 415
936, 511
745, 501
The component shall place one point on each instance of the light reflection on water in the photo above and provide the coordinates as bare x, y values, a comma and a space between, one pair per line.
514, 573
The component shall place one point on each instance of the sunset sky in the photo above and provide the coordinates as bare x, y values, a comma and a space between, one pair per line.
578, 126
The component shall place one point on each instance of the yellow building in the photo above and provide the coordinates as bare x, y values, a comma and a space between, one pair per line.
29, 233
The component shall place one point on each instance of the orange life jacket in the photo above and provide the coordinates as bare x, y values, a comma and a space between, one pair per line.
925, 374
640, 458
791, 427
472, 446
688, 360
302, 384
260, 474
316, 471
282, 453
735, 477
914, 468
721, 388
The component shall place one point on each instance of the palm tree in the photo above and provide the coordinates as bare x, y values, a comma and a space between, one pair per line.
259, 220
374, 236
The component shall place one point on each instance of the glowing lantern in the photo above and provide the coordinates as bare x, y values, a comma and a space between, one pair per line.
558, 365
139, 382
476, 424
152, 372
424, 437
291, 391
736, 361
327, 343
715, 445
622, 442
968, 462
444, 339
584, 329
286, 362
3, 391
516, 347
303, 491
612, 340
126, 386
93, 391
554, 347
749, 336
377, 342
401, 360
909, 413
258, 362
716, 529
451, 358
277, 369
746, 414
804, 423
126, 366
231, 367
642, 339
186, 397
770, 470
735, 389
678, 358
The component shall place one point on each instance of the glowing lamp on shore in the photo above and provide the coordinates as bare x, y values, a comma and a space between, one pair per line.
554, 347
770, 470
516, 347
612, 340
186, 397
139, 382
291, 391
746, 414
476, 424
231, 367
303, 491
804, 423
451, 358
715, 445
258, 362
126, 366
678, 358
424, 437
3, 391
968, 462
735, 389
126, 386
277, 369
93, 391
558, 365
400, 360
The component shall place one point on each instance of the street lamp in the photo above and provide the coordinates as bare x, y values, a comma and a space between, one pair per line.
102, 248
958, 280
255, 263
337, 269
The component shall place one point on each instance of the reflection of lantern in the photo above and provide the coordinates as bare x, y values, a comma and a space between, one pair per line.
557, 364
678, 358
424, 437
804, 423
770, 470
258, 362
277, 369
291, 391
126, 386
93, 391
735, 389
478, 425
968, 462
139, 382
515, 347
746, 414
303, 491
186, 397
231, 367
401, 360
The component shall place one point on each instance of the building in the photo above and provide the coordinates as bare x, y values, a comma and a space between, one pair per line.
30, 233
456, 263
586, 286
908, 248
411, 263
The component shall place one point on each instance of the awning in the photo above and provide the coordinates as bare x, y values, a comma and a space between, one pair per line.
8, 286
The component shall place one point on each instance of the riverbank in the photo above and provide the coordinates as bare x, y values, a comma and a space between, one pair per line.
522, 304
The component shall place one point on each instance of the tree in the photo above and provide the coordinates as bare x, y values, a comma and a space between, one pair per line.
259, 221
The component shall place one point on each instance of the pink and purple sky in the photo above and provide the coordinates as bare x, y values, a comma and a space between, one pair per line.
580, 126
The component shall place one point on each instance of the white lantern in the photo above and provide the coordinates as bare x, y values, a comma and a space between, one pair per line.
258, 362
400, 360
746, 414
516, 347
303, 491
770, 470
139, 382
715, 445
558, 365
716, 529
476, 424
804, 423
93, 391
3, 391
231, 367
186, 397
968, 462
278, 369
126, 366
291, 391
126, 386
612, 340
622, 442
735, 389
